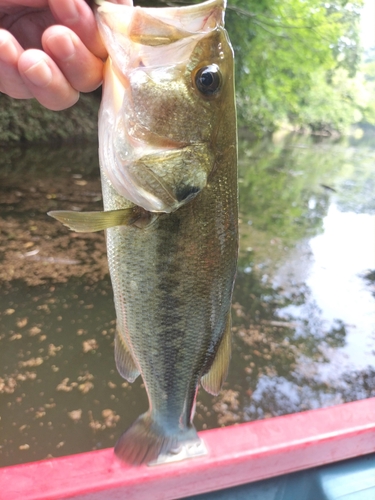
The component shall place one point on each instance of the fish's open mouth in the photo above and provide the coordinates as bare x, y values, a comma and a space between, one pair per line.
163, 24
136, 37
153, 133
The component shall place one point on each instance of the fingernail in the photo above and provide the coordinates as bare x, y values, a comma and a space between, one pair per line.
69, 13
39, 74
62, 46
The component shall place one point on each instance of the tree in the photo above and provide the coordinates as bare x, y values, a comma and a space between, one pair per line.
282, 50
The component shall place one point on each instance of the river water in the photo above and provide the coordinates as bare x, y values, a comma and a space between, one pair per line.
303, 307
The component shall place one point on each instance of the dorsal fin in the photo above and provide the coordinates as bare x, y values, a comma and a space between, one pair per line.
214, 378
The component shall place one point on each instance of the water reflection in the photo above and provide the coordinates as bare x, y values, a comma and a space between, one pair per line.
303, 308
333, 273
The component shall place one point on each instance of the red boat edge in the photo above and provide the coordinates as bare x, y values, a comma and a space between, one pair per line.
236, 455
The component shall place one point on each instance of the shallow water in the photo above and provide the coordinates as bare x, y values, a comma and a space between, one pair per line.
303, 307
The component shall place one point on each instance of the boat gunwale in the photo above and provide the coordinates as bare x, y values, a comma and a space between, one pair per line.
239, 454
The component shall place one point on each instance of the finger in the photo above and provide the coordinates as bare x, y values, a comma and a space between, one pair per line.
44, 79
77, 15
11, 82
80, 67
27, 24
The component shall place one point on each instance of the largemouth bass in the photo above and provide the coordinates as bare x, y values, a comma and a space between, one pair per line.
167, 148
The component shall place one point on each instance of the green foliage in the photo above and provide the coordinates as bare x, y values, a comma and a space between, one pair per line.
331, 105
368, 107
287, 57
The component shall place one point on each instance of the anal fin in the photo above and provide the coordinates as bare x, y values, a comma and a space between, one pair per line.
124, 360
214, 378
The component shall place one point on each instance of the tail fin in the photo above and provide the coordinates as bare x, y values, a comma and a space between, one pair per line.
146, 441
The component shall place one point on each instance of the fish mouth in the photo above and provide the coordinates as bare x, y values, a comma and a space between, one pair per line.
131, 34
161, 25
156, 169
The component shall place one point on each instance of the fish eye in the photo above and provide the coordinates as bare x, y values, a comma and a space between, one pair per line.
208, 80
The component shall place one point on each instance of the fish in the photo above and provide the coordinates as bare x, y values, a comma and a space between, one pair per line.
168, 162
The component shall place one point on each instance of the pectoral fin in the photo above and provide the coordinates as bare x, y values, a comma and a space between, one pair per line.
89, 222
214, 378
124, 360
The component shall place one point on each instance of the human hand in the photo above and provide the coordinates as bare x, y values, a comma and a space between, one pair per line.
50, 50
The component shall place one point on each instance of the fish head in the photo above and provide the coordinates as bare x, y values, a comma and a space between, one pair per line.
168, 86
